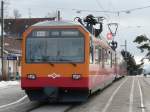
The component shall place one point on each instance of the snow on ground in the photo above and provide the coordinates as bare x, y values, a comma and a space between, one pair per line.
8, 83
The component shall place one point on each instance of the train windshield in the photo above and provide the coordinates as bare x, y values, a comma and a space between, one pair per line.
55, 49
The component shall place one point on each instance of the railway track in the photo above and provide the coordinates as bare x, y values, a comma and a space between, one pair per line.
129, 94
66, 107
23, 104
53, 108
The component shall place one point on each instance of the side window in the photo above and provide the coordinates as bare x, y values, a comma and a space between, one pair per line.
108, 62
105, 56
111, 57
98, 55
103, 59
91, 52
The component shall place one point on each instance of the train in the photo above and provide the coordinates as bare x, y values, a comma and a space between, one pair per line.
63, 61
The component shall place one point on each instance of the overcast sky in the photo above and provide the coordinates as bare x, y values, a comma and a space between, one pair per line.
130, 24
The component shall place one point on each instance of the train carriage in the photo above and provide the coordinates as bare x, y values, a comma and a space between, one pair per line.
62, 61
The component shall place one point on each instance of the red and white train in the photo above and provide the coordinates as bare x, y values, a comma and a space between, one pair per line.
63, 61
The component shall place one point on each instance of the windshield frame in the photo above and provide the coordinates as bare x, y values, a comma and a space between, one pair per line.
50, 61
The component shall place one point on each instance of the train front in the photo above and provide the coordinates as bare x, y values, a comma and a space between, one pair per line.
55, 59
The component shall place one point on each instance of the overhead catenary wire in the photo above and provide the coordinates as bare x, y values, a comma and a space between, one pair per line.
134, 9
111, 5
114, 12
99, 4
86, 10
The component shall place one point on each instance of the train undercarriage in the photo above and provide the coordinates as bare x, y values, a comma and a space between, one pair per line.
52, 94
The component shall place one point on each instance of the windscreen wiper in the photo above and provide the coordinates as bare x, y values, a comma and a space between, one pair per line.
74, 64
69, 61
45, 59
52, 64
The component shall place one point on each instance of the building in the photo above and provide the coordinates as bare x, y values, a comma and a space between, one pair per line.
12, 57
14, 29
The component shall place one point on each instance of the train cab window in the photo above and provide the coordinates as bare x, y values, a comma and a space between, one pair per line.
55, 46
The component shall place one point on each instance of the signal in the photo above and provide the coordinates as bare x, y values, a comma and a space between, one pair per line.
109, 36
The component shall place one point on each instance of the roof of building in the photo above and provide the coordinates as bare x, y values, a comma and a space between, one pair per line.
19, 25
12, 45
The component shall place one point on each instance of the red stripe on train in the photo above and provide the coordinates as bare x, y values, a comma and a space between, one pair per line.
57, 82
90, 82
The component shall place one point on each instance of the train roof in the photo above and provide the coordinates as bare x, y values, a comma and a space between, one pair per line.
71, 23
57, 23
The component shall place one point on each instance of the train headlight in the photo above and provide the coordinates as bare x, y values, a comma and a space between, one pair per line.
31, 76
76, 76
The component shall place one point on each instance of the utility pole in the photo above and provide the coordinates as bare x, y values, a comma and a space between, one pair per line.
125, 48
125, 45
126, 58
2, 37
58, 15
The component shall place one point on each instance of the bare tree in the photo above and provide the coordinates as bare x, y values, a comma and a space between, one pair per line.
6, 8
16, 13
51, 14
